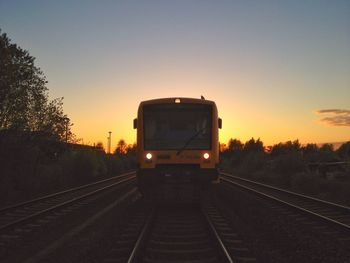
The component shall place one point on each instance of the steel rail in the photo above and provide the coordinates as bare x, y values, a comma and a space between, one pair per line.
218, 240
3, 209
346, 209
133, 258
26, 218
66, 238
326, 219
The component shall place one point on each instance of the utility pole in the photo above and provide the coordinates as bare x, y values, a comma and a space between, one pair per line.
66, 121
109, 142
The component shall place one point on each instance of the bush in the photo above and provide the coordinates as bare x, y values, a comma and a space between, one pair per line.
290, 163
252, 162
31, 168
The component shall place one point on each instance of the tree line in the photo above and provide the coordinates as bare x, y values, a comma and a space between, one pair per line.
311, 151
321, 171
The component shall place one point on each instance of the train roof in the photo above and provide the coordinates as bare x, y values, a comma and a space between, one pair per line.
172, 100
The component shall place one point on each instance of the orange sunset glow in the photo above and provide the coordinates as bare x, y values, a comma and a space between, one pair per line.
273, 69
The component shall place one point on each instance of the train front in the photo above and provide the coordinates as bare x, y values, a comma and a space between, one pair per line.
177, 145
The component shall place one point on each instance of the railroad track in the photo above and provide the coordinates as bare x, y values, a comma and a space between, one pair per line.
14, 215
183, 236
332, 214
23, 226
179, 234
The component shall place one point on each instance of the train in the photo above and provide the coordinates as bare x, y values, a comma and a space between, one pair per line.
177, 145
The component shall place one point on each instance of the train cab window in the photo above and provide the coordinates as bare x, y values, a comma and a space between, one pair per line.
170, 126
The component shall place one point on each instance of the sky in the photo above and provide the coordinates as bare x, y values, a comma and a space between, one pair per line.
277, 70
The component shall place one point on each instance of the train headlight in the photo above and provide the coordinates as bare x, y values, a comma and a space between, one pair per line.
149, 156
206, 156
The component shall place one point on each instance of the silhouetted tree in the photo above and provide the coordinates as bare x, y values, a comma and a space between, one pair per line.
310, 148
24, 102
344, 151
327, 153
233, 150
284, 148
121, 148
222, 147
253, 146
235, 145
99, 146
131, 150
311, 153
327, 147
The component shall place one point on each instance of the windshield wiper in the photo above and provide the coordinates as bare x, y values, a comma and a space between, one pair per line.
190, 140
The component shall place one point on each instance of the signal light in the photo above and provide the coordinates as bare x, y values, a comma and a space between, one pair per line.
206, 156
177, 100
149, 156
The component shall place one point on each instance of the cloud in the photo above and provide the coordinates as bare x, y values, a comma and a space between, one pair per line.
335, 117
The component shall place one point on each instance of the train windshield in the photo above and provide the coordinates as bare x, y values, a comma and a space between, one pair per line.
172, 126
